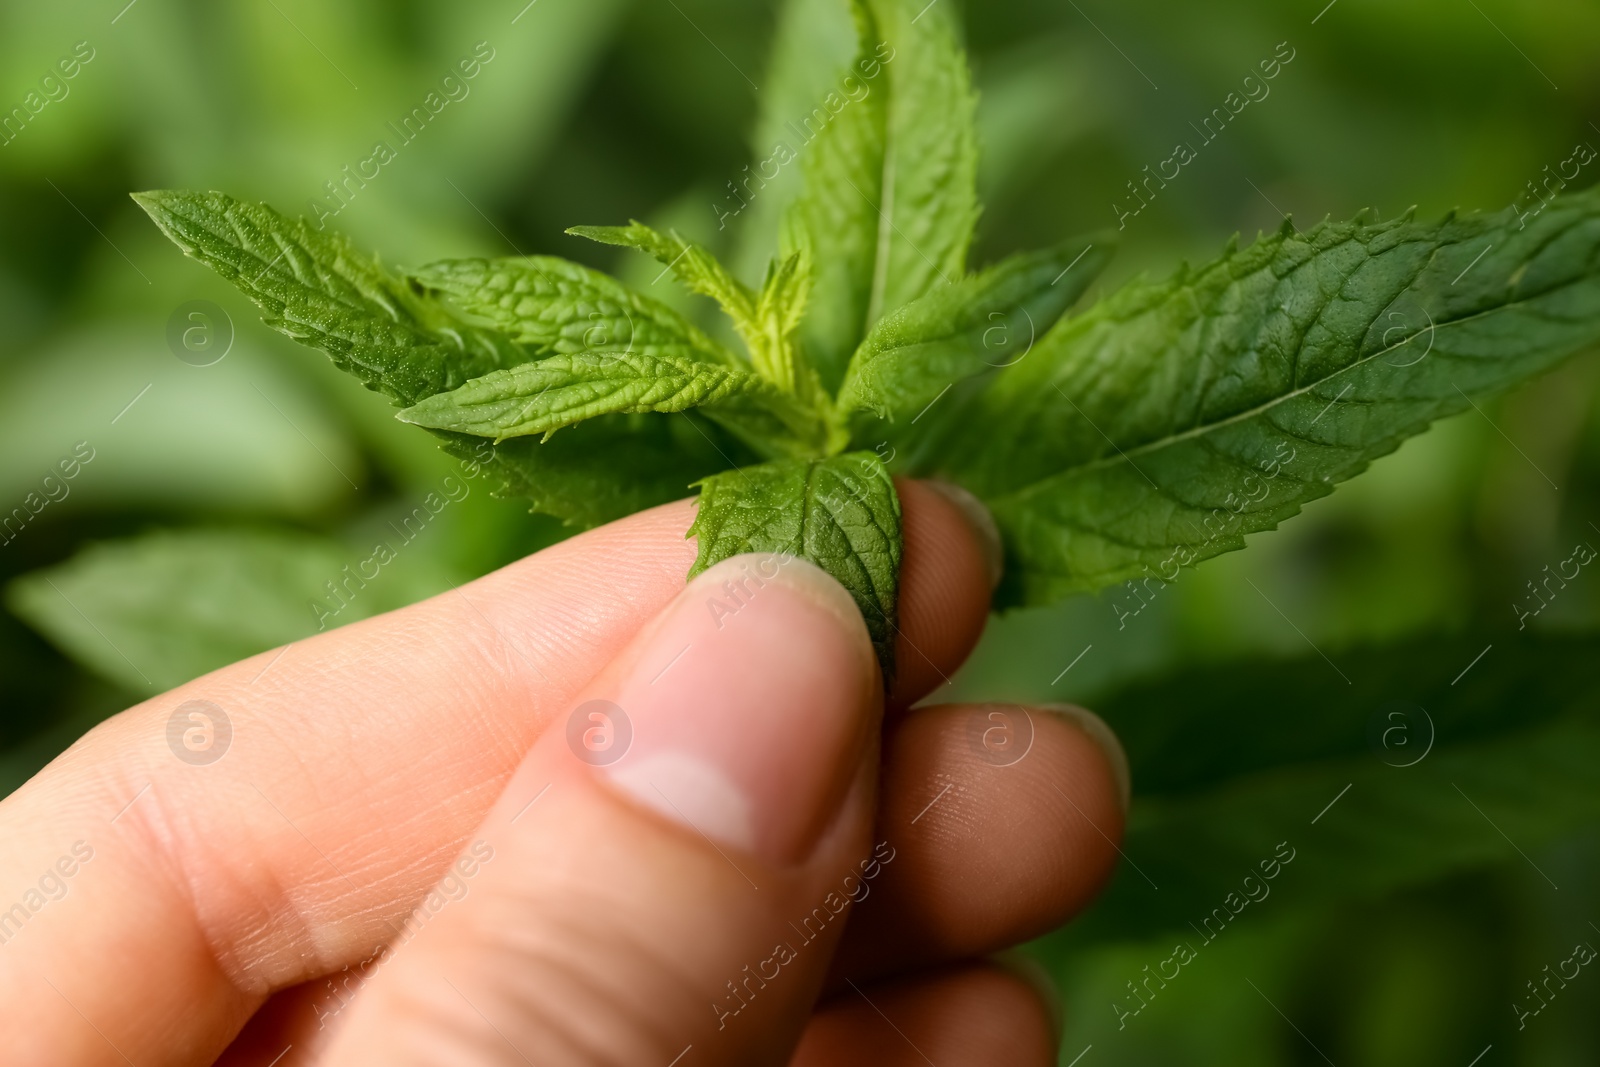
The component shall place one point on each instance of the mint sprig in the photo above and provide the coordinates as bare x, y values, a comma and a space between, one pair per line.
1156, 428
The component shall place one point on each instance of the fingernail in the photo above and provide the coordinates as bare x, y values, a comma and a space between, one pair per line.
751, 700
1103, 736
981, 521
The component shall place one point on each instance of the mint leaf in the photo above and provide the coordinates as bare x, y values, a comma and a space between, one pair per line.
764, 321
1161, 426
929, 200
316, 288
155, 611
778, 311
840, 513
605, 468
557, 306
890, 166
836, 215
542, 397
697, 269
987, 321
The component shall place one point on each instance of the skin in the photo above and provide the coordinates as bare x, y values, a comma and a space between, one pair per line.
304, 899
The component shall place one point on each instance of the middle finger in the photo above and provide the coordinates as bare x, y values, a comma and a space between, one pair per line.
1003, 821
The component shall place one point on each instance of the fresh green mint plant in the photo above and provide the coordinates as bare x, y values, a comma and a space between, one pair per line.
1140, 435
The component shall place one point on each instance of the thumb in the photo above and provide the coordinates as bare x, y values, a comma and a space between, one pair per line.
664, 880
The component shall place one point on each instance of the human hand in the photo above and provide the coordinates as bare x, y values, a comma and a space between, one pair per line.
400, 858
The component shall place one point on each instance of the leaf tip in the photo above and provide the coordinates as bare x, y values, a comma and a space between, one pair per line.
623, 236
429, 413
153, 202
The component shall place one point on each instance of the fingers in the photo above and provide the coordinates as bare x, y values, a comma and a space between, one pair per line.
627, 908
360, 761
357, 762
1016, 845
951, 565
1004, 822
970, 1017
293, 1027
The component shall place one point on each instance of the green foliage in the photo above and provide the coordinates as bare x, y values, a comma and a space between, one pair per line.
560, 347
1229, 767
841, 513
1404, 928
697, 269
601, 469
561, 307
153, 612
400, 342
314, 287
1170, 420
559, 390
890, 199
1157, 428
918, 351
1168, 725
765, 321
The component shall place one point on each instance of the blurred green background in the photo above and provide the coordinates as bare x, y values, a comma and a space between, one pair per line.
1252, 692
